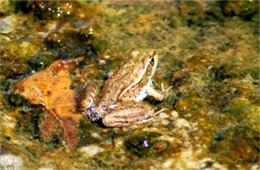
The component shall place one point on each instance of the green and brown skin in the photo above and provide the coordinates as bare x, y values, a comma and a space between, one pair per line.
119, 102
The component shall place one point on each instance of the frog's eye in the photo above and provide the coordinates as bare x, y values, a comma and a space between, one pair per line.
151, 60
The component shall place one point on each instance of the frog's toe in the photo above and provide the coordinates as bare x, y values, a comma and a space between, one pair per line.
94, 116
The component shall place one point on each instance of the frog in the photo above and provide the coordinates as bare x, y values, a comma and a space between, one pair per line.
119, 101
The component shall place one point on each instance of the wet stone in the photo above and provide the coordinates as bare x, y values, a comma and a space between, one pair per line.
236, 150
238, 144
10, 161
244, 9
41, 60
90, 150
146, 144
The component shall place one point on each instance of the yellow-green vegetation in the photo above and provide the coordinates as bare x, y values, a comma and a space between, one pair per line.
208, 52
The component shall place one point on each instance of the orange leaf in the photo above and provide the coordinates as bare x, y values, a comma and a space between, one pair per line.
51, 88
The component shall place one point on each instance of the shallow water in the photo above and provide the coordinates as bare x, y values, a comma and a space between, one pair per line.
208, 52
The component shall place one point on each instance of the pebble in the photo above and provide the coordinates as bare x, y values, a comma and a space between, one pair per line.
163, 115
96, 135
9, 125
102, 62
91, 150
255, 167
167, 163
10, 161
119, 142
45, 168
214, 165
180, 123
174, 114
165, 122
7, 24
106, 56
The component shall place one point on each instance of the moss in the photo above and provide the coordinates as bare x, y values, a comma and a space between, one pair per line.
235, 150
86, 127
237, 111
192, 103
41, 60
199, 62
6, 7
196, 14
70, 43
44, 10
28, 117
175, 21
239, 105
145, 144
236, 144
222, 93
99, 45
244, 9
247, 113
17, 100
254, 72
27, 125
5, 83
225, 71
14, 57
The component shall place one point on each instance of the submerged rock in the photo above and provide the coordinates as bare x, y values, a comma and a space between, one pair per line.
44, 10
146, 144
236, 150
244, 9
91, 150
10, 161
7, 24
41, 60
237, 144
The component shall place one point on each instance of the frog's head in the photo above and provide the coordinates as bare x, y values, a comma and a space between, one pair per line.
146, 62
139, 68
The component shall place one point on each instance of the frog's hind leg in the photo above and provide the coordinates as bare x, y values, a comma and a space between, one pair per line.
86, 99
129, 113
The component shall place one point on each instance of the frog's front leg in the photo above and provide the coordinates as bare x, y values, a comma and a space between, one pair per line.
128, 113
156, 94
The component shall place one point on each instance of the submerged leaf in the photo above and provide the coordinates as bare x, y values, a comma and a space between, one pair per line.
51, 88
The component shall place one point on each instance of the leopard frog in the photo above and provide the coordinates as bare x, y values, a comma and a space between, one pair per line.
119, 102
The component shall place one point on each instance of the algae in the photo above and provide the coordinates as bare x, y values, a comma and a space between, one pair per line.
208, 52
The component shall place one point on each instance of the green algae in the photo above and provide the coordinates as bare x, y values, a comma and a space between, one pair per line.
47, 10
86, 127
145, 144
41, 60
244, 9
237, 144
208, 51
